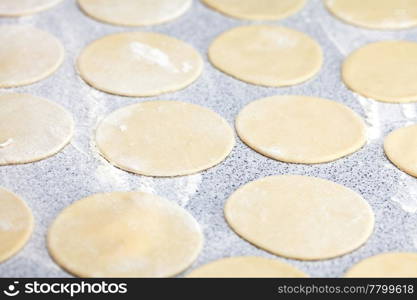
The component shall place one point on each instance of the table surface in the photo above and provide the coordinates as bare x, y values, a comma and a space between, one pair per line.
78, 171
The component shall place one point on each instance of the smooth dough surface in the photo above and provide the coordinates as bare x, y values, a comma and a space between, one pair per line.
401, 147
300, 129
267, 55
16, 8
375, 14
30, 56
135, 12
31, 128
16, 224
124, 234
385, 71
300, 217
257, 9
246, 267
164, 138
389, 265
139, 64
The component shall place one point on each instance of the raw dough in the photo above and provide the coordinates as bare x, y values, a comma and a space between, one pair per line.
389, 265
164, 138
376, 14
300, 217
301, 129
139, 64
257, 9
30, 56
16, 8
125, 234
31, 128
135, 12
385, 71
16, 224
401, 148
267, 55
246, 267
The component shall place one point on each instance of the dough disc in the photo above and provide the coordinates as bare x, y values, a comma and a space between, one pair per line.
139, 64
294, 129
246, 267
257, 9
300, 217
16, 8
267, 55
124, 234
16, 224
164, 138
385, 71
401, 148
30, 56
375, 14
135, 12
31, 129
389, 265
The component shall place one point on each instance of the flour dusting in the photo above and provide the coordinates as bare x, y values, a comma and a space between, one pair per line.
6, 143
153, 56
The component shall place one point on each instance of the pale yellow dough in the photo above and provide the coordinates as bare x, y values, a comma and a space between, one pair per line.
385, 71
27, 55
31, 128
135, 12
257, 9
246, 267
300, 129
164, 138
124, 234
401, 148
139, 64
17, 8
16, 224
300, 217
375, 14
267, 55
389, 265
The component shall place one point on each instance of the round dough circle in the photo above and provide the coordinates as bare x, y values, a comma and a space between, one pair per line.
17, 8
139, 64
135, 12
257, 9
375, 14
267, 55
16, 224
246, 267
30, 56
401, 147
384, 71
292, 129
124, 234
300, 217
389, 265
164, 138
32, 129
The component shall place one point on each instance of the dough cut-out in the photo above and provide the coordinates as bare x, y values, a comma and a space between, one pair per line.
300, 129
246, 267
28, 55
164, 138
135, 12
32, 129
257, 9
16, 224
266, 55
384, 71
139, 64
17, 8
124, 234
375, 14
300, 217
